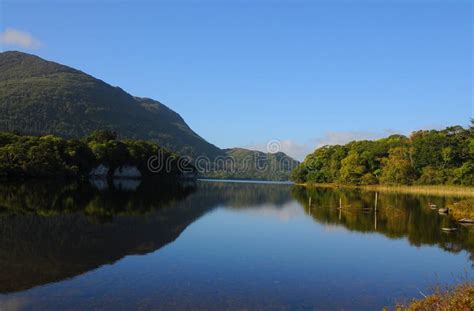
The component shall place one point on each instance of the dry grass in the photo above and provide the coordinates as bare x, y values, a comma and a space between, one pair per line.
459, 298
438, 190
462, 209
429, 190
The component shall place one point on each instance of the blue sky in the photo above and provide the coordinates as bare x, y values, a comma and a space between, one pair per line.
242, 73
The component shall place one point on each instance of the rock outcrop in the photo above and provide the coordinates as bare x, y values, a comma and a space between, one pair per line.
100, 171
127, 171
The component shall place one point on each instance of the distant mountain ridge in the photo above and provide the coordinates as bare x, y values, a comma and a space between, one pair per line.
252, 164
40, 97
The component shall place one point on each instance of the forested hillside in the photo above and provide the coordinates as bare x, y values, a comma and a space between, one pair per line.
39, 97
425, 157
240, 163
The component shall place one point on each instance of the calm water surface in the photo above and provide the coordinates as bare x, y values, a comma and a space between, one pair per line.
221, 246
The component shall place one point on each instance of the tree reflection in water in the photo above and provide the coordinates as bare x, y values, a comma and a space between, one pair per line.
51, 231
397, 216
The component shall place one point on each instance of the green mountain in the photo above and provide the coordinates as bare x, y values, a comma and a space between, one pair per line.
43, 97
39, 97
240, 163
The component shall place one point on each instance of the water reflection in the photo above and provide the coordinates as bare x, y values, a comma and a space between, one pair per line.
51, 231
396, 215
265, 239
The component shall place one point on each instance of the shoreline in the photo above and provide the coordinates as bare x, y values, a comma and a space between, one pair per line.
454, 297
251, 181
436, 190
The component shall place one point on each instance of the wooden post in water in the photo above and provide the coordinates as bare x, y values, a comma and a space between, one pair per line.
309, 206
376, 198
375, 214
340, 203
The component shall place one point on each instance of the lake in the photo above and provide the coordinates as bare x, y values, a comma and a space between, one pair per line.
221, 246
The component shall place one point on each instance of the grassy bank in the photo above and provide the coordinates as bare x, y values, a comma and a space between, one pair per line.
458, 298
462, 209
439, 190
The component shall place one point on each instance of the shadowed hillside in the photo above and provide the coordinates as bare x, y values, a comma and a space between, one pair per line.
43, 97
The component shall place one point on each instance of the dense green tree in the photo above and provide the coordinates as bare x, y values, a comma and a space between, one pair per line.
102, 136
397, 168
432, 176
426, 157
47, 156
464, 175
369, 179
351, 168
298, 175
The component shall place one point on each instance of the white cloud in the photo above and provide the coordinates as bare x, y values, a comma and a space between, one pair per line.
295, 149
19, 38
340, 138
290, 147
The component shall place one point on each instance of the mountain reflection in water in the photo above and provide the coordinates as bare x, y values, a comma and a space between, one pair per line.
50, 232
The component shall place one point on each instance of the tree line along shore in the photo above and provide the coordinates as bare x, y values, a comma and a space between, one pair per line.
426, 157
50, 156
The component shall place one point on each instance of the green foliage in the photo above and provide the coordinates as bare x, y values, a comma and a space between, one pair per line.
352, 168
432, 176
369, 179
464, 175
102, 136
47, 156
426, 157
397, 169
298, 175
